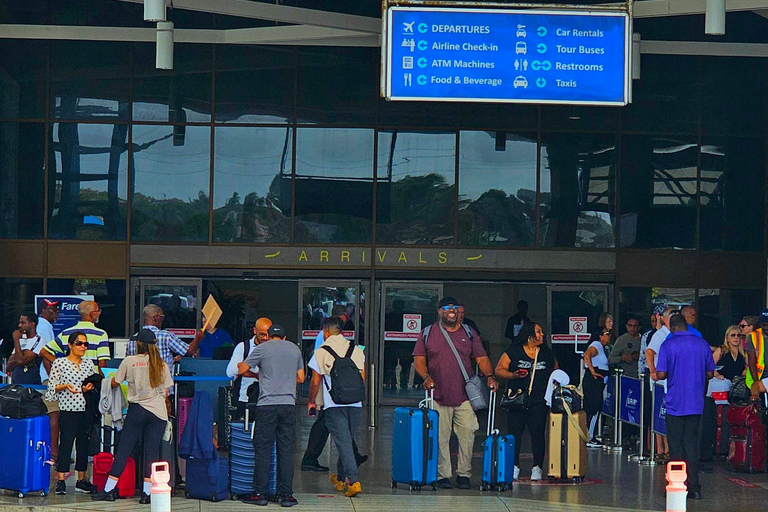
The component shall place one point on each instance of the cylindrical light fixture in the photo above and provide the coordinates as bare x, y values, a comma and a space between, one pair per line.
636, 56
154, 10
714, 18
164, 55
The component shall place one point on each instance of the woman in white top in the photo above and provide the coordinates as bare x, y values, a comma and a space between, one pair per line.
65, 385
596, 363
148, 379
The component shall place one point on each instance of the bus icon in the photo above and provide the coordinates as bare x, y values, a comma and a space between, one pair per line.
521, 48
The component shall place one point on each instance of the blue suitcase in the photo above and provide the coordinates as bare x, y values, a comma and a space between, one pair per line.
201, 485
414, 447
26, 447
241, 463
498, 455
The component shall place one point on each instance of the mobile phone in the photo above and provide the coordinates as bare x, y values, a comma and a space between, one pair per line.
313, 412
523, 371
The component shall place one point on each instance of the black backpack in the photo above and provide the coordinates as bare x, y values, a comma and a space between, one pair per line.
347, 385
237, 384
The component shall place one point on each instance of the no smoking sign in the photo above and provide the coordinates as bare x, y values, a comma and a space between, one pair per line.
577, 324
411, 323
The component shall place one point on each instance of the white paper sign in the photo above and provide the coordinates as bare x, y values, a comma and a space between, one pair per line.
577, 325
411, 323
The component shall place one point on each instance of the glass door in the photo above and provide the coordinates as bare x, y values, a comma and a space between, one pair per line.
406, 308
319, 301
574, 313
179, 298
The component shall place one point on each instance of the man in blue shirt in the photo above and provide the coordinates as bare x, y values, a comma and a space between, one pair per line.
686, 361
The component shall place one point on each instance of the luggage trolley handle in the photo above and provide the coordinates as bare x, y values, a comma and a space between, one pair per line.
491, 428
429, 399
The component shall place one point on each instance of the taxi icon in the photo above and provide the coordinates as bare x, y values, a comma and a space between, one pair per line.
521, 48
520, 31
520, 81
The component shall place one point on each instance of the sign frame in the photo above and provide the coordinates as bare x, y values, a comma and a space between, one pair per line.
546, 9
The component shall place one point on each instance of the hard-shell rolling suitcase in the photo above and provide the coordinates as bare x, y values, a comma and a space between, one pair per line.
567, 446
723, 432
224, 420
185, 403
126, 484
26, 448
747, 445
498, 454
241, 462
415, 446
201, 485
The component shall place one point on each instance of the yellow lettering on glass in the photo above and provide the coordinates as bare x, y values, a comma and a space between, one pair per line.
303, 256
442, 257
345, 256
323, 255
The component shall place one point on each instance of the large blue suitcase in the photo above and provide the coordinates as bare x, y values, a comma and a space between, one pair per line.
414, 447
242, 466
26, 447
498, 454
206, 483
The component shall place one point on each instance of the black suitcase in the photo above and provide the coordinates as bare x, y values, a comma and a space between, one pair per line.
225, 411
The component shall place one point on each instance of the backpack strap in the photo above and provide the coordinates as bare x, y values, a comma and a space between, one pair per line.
333, 352
425, 334
468, 331
350, 349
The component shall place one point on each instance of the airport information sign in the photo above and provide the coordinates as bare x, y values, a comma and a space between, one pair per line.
503, 55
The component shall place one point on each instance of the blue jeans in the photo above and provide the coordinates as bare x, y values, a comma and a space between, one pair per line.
342, 423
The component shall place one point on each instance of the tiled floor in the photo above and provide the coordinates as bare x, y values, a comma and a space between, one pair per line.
613, 484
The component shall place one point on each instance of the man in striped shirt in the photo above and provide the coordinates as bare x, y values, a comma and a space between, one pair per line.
168, 343
98, 342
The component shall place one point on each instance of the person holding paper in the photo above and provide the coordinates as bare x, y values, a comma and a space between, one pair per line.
213, 337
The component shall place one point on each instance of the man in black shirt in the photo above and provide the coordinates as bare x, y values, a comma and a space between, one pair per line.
517, 320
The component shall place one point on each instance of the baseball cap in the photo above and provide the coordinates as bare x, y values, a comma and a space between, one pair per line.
659, 309
447, 300
764, 317
276, 330
145, 336
46, 303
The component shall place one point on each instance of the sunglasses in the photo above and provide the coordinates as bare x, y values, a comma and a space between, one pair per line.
449, 307
735, 335
743, 326
80, 344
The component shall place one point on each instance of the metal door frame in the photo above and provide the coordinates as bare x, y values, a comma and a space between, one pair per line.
378, 341
143, 282
604, 287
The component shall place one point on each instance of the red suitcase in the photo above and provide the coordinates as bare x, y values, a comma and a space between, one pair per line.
722, 440
747, 448
126, 485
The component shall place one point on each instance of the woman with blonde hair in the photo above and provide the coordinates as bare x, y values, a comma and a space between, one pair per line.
148, 379
731, 357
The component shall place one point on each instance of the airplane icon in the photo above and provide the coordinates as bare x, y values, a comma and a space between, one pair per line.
408, 27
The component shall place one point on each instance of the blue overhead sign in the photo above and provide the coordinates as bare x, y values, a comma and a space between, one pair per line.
503, 55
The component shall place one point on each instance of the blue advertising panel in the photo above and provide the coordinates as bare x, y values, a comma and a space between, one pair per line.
68, 315
609, 406
506, 55
630, 407
659, 410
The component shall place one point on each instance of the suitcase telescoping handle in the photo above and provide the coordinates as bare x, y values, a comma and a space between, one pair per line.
491, 428
429, 399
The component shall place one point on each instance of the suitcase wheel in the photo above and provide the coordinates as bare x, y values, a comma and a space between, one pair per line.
186, 494
20, 494
233, 497
434, 487
43, 493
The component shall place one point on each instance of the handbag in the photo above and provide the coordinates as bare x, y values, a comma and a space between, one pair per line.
739, 394
567, 398
520, 399
474, 386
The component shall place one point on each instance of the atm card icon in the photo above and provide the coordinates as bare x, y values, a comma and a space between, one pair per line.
521, 48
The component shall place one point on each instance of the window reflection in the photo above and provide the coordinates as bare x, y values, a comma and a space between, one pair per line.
415, 188
731, 198
497, 189
89, 168
90, 81
246, 90
22, 201
658, 183
252, 184
334, 185
577, 190
171, 169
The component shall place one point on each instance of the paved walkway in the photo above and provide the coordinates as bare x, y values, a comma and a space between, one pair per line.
613, 484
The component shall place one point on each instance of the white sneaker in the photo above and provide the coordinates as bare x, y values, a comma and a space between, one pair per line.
516, 473
594, 443
535, 474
